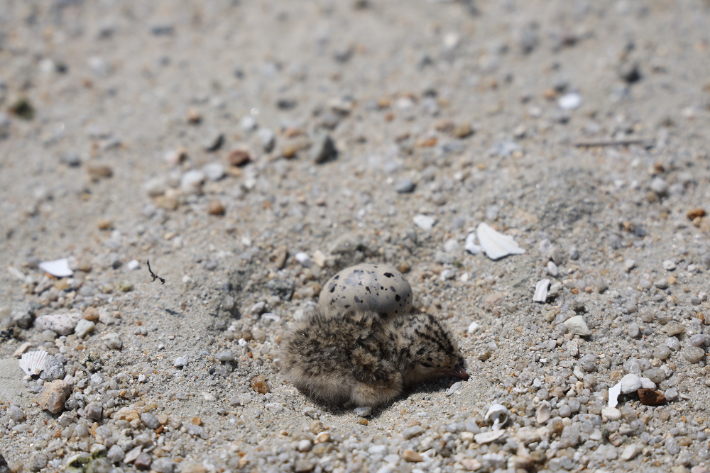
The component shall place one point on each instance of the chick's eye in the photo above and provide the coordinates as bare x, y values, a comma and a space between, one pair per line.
426, 365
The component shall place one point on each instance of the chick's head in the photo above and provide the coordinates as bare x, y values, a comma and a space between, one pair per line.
429, 351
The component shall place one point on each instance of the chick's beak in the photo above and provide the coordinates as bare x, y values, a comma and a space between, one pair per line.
456, 371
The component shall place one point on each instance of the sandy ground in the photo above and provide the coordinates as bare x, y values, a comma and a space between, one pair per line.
193, 134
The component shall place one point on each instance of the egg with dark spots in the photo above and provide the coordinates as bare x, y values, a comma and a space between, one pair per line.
369, 287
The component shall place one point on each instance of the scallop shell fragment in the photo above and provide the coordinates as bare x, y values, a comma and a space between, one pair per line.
498, 414
495, 244
541, 291
33, 362
543, 413
58, 268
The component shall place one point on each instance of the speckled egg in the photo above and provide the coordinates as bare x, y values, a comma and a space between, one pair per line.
367, 286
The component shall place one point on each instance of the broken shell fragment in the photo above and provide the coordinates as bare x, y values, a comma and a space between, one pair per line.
495, 244
471, 245
498, 414
541, 291
488, 437
614, 393
543, 413
58, 268
33, 362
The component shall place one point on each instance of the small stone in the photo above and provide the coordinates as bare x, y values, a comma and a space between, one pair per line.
16, 414
471, 464
671, 394
629, 72
84, 327
425, 222
163, 465
634, 331
631, 451
693, 354
323, 437
673, 329
669, 265
54, 395
488, 437
239, 158
180, 362
305, 446
213, 171
98, 171
124, 286
213, 141
132, 266
112, 341
630, 383
323, 149
267, 139
463, 130
405, 186
104, 224
260, 385
93, 411
661, 283
37, 462
411, 456
215, 207
62, 324
131, 456
225, 356
659, 186
570, 101
662, 352
150, 420
650, 397
191, 181
115, 454
412, 432
363, 411
576, 325
611, 414
143, 461
304, 259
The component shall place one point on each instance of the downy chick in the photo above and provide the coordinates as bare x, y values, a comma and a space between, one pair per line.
358, 358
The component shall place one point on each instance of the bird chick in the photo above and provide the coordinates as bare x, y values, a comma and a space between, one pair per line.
358, 358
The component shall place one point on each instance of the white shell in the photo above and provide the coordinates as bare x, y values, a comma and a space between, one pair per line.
488, 437
541, 290
497, 414
543, 412
495, 244
614, 393
377, 287
58, 268
33, 362
471, 245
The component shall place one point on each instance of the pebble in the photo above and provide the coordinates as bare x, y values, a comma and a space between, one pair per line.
239, 157
150, 420
304, 259
37, 461
225, 356
191, 181
323, 149
671, 394
112, 341
84, 327
693, 354
659, 186
213, 171
576, 325
412, 432
488, 437
143, 461
54, 395
213, 141
630, 383
215, 207
411, 456
180, 362
611, 414
115, 454
16, 414
669, 265
163, 465
673, 343
62, 324
133, 265
570, 101
425, 222
405, 186
267, 139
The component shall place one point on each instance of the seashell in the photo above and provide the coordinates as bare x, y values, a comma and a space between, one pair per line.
614, 393
377, 287
543, 413
471, 245
497, 414
541, 290
454, 387
33, 362
488, 437
58, 268
495, 244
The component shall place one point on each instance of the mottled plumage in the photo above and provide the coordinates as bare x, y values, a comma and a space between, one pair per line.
359, 358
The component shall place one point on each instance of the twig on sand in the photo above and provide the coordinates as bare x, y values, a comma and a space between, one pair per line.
155, 276
620, 142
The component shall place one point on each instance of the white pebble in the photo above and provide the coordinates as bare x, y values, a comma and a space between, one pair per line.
473, 326
630, 383
304, 259
570, 101
133, 265
425, 222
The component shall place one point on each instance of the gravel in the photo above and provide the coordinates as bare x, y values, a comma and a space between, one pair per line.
574, 132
